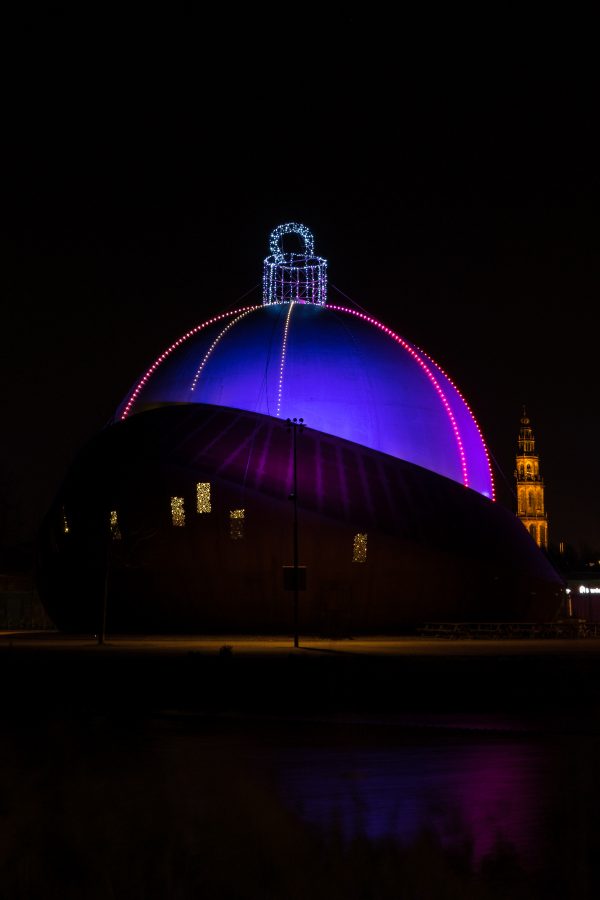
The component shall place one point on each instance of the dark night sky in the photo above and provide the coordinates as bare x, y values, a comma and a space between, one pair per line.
455, 199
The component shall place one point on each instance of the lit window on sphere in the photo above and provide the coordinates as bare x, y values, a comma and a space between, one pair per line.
203, 497
177, 512
359, 554
236, 524
115, 531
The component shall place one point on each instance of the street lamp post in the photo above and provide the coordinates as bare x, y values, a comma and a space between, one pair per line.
295, 425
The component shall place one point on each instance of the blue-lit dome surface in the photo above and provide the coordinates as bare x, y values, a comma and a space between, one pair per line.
342, 371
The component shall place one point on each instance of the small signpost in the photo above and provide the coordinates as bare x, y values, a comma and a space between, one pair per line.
294, 578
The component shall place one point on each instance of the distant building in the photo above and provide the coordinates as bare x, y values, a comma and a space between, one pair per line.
530, 486
583, 590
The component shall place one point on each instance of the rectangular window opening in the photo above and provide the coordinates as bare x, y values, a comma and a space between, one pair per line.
203, 497
177, 512
115, 531
236, 524
359, 554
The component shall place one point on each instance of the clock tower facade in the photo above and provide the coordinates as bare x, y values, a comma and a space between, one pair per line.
531, 508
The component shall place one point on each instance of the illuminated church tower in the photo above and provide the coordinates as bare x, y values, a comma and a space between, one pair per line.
530, 486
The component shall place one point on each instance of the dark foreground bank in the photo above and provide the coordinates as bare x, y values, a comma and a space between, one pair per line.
270, 676
231, 770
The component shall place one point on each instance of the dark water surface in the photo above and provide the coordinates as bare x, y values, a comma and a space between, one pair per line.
464, 791
316, 775
242, 806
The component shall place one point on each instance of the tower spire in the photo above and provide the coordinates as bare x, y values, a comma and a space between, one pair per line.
530, 486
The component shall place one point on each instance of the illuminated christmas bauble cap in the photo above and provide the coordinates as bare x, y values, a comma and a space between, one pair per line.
294, 277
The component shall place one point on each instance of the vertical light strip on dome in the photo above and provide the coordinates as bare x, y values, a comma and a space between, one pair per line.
412, 352
142, 382
214, 344
282, 364
475, 422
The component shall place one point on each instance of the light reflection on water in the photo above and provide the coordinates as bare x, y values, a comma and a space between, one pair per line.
482, 792
211, 803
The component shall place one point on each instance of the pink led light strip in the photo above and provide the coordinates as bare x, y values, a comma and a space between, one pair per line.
475, 422
142, 382
282, 364
214, 344
428, 372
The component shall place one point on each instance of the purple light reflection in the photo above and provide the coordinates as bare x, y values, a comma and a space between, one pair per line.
482, 795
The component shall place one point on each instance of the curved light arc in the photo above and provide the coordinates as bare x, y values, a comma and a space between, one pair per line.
282, 362
473, 419
421, 362
174, 346
214, 345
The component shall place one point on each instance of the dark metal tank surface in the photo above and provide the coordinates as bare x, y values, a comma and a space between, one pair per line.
427, 547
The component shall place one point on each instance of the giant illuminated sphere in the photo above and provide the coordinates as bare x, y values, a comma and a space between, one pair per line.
343, 372
184, 498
